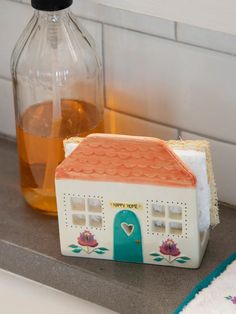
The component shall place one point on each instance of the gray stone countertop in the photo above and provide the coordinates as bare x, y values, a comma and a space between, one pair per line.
29, 246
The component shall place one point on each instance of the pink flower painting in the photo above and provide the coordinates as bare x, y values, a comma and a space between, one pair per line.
169, 247
86, 238
170, 253
87, 244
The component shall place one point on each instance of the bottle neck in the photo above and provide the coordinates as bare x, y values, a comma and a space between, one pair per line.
53, 24
52, 16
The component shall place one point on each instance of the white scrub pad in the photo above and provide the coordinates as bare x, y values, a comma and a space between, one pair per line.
196, 161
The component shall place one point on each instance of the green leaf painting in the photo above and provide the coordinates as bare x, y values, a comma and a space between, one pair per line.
158, 259
155, 254
180, 261
78, 250
99, 252
102, 249
73, 246
185, 258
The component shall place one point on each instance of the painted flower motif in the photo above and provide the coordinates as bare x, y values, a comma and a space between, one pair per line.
86, 238
233, 300
169, 247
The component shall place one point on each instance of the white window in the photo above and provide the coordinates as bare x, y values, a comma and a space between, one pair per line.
166, 218
86, 211
78, 219
94, 205
158, 210
77, 203
175, 227
175, 212
158, 226
95, 221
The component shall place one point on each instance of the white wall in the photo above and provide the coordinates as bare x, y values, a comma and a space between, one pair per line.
162, 78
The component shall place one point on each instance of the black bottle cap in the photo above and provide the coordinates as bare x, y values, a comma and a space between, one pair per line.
51, 5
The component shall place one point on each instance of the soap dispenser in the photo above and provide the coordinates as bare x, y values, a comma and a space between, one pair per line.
58, 93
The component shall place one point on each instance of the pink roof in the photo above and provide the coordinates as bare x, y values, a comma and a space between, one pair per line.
128, 159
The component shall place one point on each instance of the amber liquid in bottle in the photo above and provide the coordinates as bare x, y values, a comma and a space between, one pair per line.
40, 144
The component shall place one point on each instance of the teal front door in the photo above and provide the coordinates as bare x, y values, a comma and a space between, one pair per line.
127, 237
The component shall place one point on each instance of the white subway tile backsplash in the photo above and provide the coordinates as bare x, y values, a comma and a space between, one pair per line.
139, 22
224, 159
206, 38
154, 86
7, 116
169, 82
124, 18
123, 124
13, 19
91, 9
88, 9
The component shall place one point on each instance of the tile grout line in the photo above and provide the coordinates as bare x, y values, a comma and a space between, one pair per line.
175, 39
152, 35
171, 39
20, 2
232, 206
210, 137
175, 26
125, 28
103, 68
206, 48
140, 118
178, 134
2, 77
6, 137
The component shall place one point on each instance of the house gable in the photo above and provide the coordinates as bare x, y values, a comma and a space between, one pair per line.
128, 159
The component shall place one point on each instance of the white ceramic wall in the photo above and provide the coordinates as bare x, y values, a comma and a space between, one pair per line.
162, 78
121, 192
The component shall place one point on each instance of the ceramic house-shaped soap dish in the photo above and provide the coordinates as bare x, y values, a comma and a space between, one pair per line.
136, 199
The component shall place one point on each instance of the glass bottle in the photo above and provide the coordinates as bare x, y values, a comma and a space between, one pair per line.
57, 82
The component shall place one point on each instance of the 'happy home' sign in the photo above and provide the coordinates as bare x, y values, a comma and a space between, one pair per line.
126, 205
